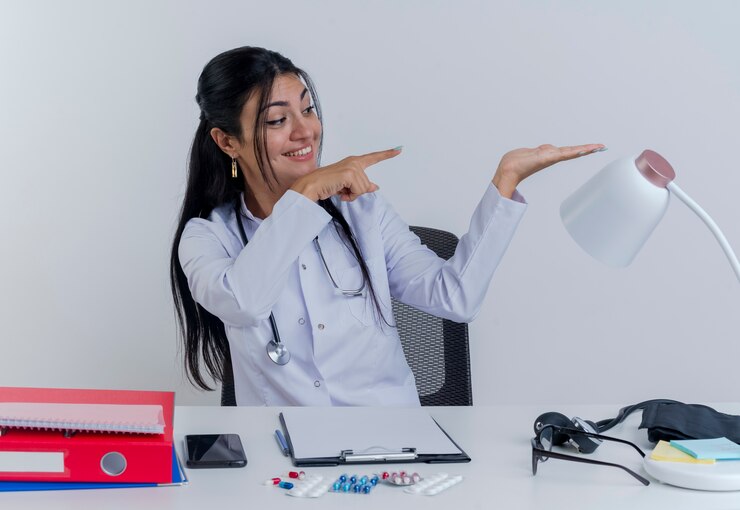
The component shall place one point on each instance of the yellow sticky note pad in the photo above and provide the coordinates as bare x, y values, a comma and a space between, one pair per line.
665, 452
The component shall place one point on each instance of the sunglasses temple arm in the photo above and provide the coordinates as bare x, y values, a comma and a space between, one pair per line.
605, 438
555, 455
617, 440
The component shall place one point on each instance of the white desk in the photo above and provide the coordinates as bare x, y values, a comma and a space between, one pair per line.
499, 476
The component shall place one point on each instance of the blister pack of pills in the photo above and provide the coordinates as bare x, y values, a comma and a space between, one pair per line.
355, 484
400, 478
311, 486
301, 485
433, 485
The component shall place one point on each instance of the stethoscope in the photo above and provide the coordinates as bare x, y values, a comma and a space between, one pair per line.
276, 349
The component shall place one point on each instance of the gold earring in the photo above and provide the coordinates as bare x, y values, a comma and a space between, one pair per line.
234, 173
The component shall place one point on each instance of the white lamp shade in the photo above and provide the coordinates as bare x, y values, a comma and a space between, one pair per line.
613, 214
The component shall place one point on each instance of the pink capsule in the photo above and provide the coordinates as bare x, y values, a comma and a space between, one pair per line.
402, 474
297, 474
406, 480
385, 475
272, 481
415, 477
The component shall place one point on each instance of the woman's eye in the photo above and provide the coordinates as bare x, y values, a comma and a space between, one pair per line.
276, 122
309, 110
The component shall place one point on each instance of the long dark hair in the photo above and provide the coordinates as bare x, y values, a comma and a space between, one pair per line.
225, 85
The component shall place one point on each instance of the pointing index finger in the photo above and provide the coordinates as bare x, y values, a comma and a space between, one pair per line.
376, 157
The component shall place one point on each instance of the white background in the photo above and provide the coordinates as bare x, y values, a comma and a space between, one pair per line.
97, 113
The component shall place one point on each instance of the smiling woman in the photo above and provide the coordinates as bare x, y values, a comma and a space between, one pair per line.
268, 242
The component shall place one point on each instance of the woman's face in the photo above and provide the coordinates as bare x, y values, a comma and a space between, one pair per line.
292, 132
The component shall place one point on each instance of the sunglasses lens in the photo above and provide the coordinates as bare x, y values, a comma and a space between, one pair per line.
536, 455
546, 438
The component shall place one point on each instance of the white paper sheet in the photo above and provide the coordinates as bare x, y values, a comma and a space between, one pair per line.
326, 432
130, 418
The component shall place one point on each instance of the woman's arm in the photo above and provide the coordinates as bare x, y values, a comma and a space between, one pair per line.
242, 289
452, 289
455, 289
240, 284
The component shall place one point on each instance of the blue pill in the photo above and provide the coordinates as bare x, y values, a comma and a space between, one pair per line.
285, 485
343, 478
346, 487
374, 480
357, 488
366, 489
336, 486
353, 478
363, 480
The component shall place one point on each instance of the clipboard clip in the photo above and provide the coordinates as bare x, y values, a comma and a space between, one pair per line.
350, 456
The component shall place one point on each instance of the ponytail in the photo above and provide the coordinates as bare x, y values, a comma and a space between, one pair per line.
203, 333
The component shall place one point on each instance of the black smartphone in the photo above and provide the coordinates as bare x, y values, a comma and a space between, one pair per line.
215, 451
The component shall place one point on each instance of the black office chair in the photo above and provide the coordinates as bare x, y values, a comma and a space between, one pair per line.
228, 396
436, 349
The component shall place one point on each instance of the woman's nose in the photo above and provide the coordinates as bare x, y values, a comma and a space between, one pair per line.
303, 128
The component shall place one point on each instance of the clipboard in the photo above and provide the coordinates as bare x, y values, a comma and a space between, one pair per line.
361, 435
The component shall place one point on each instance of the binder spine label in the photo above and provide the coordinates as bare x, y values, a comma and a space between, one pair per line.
31, 462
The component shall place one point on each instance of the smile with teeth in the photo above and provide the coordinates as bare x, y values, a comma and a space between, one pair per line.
302, 152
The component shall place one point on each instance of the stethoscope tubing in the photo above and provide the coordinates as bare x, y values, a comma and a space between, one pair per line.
276, 350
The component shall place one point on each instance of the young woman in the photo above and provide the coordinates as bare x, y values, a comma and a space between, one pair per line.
285, 268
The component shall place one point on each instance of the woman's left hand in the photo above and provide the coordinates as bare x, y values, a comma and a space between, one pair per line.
519, 164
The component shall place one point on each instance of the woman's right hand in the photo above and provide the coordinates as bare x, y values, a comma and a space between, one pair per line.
517, 165
345, 178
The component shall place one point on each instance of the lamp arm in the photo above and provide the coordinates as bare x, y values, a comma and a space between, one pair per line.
673, 188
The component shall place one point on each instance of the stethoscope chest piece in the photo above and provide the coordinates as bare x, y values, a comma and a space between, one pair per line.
277, 352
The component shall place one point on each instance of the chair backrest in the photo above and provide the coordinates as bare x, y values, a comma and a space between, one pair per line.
436, 349
228, 396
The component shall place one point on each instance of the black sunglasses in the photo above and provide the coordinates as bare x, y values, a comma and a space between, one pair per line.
542, 449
